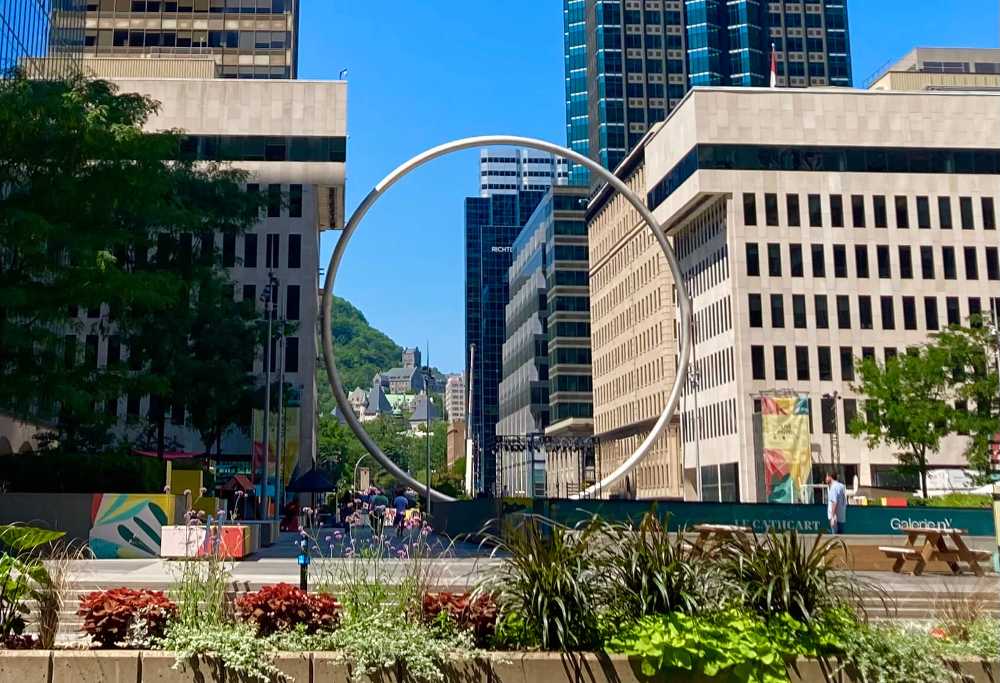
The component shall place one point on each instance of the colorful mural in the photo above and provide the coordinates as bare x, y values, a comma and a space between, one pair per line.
129, 526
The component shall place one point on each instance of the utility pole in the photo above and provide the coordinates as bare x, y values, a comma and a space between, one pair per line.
280, 447
427, 427
694, 374
268, 297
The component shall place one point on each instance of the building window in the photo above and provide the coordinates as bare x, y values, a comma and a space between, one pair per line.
909, 313
177, 414
828, 415
132, 405
888, 313
755, 310
815, 211
927, 263
975, 310
799, 311
90, 351
884, 265
802, 363
902, 213
792, 209
771, 208
795, 259
944, 212
273, 201
843, 312
757, 362
291, 354
865, 311
818, 263
839, 260
836, 211
822, 312
295, 201
905, 263
931, 312
272, 247
295, 251
250, 294
228, 250
923, 213
889, 353
774, 260
749, 208
878, 208
861, 260
850, 412
292, 301
989, 216
965, 213
250, 250
777, 311
992, 264
948, 263
858, 210
780, 363
867, 353
825, 364
847, 363
952, 311
753, 260
971, 264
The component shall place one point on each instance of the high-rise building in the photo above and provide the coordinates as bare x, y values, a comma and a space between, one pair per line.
629, 62
43, 37
509, 171
454, 397
808, 248
942, 68
250, 39
546, 386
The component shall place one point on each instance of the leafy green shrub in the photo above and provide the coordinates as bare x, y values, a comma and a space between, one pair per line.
284, 607
234, 647
651, 572
23, 577
780, 574
110, 616
550, 580
893, 654
954, 500
476, 615
113, 472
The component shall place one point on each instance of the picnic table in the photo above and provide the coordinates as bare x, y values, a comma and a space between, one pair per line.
709, 534
941, 545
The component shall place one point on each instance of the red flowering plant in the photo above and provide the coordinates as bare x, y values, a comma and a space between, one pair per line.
123, 614
283, 607
476, 615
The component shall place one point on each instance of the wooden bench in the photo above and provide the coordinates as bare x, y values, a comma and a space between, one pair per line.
900, 555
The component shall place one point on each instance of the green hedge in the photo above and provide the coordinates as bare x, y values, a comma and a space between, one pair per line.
62, 473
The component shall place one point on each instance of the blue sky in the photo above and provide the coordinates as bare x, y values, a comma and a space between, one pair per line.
422, 73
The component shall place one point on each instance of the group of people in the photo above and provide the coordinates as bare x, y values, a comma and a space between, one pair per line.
376, 504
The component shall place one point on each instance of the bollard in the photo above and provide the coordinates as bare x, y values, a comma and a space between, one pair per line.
304, 565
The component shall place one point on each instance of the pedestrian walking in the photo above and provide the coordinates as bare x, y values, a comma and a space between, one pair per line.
836, 503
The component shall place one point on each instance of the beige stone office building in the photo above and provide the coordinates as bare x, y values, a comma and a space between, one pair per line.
814, 228
942, 68
632, 340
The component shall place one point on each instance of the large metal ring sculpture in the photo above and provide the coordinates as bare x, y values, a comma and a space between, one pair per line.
683, 300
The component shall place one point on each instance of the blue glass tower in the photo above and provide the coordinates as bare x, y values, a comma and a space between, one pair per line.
492, 223
627, 67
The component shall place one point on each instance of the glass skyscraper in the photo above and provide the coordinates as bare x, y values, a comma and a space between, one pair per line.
245, 38
629, 62
30, 29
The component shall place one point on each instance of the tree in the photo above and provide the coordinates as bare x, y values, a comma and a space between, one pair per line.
914, 400
99, 224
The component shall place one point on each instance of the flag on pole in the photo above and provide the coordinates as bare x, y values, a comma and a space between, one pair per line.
774, 67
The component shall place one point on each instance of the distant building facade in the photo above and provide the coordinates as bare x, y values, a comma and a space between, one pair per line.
506, 170
629, 63
44, 37
454, 397
942, 68
411, 358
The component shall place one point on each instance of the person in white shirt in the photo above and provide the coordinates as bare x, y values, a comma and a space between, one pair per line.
836, 505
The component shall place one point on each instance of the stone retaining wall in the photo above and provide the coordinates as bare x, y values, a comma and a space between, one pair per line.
321, 667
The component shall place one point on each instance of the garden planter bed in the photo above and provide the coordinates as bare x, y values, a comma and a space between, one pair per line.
157, 667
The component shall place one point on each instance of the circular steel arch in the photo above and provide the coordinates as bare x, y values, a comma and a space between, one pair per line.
683, 300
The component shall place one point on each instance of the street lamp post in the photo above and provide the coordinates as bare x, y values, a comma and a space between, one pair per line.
268, 298
354, 481
427, 427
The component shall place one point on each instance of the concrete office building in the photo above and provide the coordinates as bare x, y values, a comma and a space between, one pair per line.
629, 62
43, 37
546, 387
250, 39
290, 136
454, 397
632, 332
817, 227
492, 222
942, 68
505, 170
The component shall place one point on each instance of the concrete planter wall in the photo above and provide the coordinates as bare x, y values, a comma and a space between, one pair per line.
119, 666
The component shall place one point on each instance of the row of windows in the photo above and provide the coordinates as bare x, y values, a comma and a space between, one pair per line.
716, 318
901, 205
904, 257
264, 148
798, 358
722, 157
272, 251
907, 306
712, 421
235, 40
712, 370
175, 6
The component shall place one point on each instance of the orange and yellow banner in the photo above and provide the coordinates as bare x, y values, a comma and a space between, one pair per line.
787, 453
